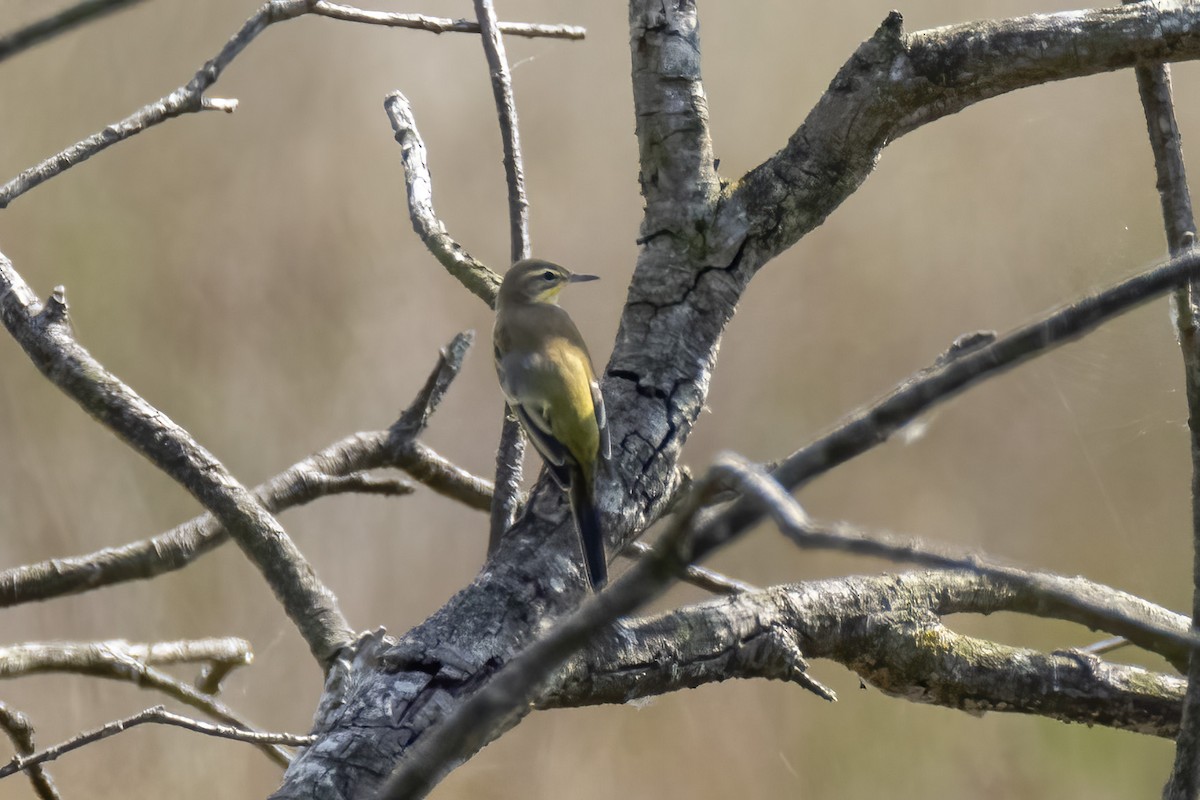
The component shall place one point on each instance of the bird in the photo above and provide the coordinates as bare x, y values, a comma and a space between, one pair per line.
548, 380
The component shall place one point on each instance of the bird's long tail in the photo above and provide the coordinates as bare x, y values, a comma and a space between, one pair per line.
591, 535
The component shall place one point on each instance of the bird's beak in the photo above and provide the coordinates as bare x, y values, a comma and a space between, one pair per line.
576, 278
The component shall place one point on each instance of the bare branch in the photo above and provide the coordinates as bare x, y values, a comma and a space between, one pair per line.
442, 476
887, 629
1154, 87
29, 658
318, 475
501, 703
189, 98
470, 272
685, 648
406, 453
442, 24
701, 577
159, 715
506, 111
506, 697
895, 83
58, 23
1105, 646
45, 335
872, 425
117, 660
186, 99
1143, 623
20, 731
510, 454
415, 418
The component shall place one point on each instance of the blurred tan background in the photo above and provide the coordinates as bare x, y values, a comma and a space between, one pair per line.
255, 276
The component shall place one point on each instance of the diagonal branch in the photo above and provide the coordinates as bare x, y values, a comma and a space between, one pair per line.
501, 703
962, 369
190, 98
315, 476
44, 333
469, 271
120, 661
58, 23
1139, 621
702, 577
895, 83
19, 730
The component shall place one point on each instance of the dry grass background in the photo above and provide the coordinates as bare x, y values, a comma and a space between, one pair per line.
255, 277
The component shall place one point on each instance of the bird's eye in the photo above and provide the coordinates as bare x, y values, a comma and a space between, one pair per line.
547, 275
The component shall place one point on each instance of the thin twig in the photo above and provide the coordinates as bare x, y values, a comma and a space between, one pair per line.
1154, 88
408, 454
702, 577
510, 455
44, 332
161, 716
469, 271
506, 112
415, 418
874, 424
189, 98
1105, 646
20, 731
113, 661
58, 23
443, 24
304, 481
186, 99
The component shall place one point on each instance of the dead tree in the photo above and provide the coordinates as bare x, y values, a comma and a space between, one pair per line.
398, 712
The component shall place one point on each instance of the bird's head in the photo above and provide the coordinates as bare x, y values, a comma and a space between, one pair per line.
537, 281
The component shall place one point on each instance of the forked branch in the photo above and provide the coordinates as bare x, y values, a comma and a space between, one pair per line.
44, 332
335, 469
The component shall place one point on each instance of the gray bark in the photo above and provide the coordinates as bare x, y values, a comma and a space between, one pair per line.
704, 240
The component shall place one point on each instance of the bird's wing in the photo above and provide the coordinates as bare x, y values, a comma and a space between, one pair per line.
513, 371
552, 451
